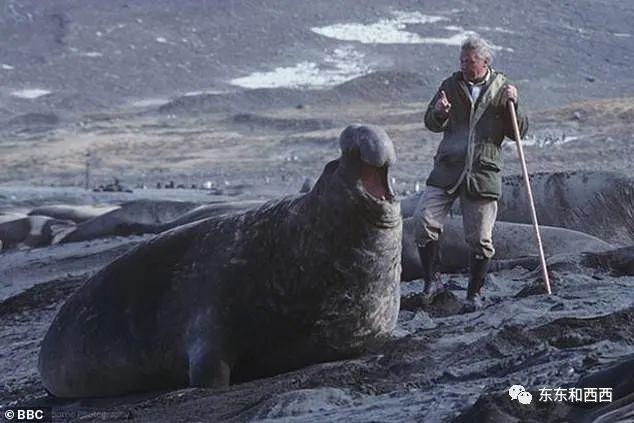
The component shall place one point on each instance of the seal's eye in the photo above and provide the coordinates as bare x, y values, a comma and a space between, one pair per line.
375, 181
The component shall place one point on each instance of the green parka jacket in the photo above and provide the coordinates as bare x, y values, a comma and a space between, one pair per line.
471, 148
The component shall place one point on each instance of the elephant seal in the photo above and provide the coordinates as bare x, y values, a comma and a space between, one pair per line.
619, 376
129, 219
133, 219
304, 279
31, 231
620, 261
14, 228
597, 203
77, 214
201, 212
514, 245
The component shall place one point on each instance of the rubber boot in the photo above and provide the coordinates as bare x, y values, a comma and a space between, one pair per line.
430, 261
478, 268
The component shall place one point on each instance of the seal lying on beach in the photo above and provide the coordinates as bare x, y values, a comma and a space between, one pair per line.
132, 218
77, 214
201, 212
17, 231
301, 280
151, 217
514, 245
597, 203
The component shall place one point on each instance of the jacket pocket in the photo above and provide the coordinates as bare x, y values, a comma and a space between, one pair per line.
489, 164
485, 178
488, 156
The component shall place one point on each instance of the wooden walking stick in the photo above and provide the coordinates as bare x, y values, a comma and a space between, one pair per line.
527, 183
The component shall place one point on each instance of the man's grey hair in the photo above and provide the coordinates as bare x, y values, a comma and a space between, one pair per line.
480, 46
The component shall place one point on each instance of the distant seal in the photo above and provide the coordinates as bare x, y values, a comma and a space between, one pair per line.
77, 214
597, 203
31, 231
305, 279
619, 377
152, 217
201, 212
619, 261
129, 219
14, 227
513, 241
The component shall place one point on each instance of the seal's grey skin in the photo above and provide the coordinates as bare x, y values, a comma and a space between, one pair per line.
597, 203
77, 214
131, 218
124, 223
296, 281
514, 244
619, 377
31, 231
201, 212
152, 217
620, 261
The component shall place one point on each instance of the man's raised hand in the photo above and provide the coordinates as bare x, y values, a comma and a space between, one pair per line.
442, 106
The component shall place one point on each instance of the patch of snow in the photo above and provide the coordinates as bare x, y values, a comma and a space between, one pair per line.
193, 93
385, 31
342, 65
161, 40
622, 34
394, 31
30, 94
7, 67
92, 54
149, 102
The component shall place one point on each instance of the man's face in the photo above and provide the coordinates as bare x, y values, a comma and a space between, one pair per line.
473, 67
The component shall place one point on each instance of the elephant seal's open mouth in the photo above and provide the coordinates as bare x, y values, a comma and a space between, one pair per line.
375, 182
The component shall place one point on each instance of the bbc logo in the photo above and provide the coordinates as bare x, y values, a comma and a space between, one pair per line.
42, 415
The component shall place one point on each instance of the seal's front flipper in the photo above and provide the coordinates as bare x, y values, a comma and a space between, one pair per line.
207, 368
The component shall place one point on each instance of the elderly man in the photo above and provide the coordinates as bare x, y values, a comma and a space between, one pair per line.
470, 109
